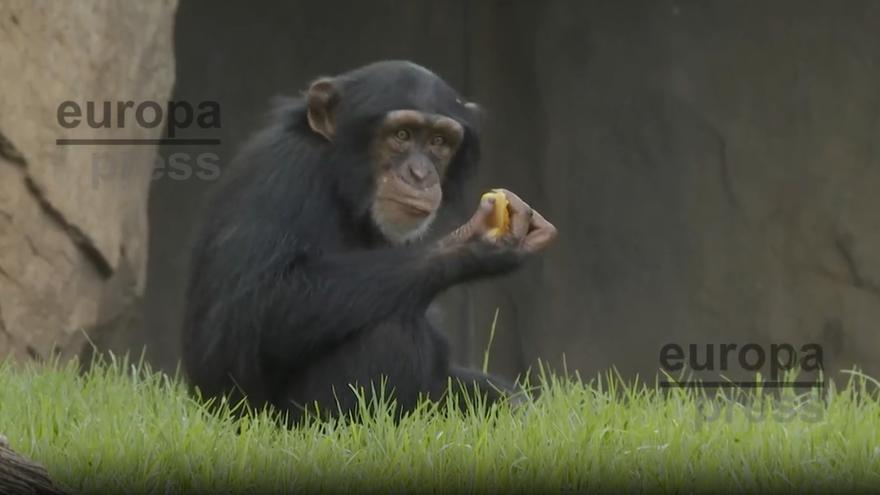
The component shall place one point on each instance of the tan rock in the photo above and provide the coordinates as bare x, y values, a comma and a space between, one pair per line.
73, 218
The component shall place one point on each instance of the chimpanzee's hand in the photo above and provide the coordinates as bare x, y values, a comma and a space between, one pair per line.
529, 230
475, 228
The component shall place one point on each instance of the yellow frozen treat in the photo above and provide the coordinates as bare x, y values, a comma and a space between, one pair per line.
500, 219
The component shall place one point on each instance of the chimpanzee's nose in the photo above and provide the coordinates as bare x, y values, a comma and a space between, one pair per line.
419, 173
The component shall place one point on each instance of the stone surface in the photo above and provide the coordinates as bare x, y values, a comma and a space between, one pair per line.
73, 231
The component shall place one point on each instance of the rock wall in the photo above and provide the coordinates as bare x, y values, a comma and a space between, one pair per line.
73, 225
712, 167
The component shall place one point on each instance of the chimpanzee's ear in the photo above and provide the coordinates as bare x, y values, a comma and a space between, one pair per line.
477, 115
322, 97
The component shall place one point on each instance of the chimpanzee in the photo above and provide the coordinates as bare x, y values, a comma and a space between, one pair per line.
310, 274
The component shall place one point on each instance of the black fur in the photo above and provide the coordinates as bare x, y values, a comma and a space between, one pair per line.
293, 294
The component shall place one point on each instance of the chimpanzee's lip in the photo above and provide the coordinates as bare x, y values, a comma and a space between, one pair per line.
414, 207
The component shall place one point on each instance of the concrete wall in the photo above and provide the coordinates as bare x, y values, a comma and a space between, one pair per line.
713, 167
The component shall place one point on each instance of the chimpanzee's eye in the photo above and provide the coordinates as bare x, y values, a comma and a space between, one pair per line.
438, 141
402, 134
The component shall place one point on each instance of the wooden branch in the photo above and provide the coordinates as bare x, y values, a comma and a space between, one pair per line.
20, 476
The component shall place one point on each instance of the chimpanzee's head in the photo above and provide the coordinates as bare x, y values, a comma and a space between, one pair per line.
401, 139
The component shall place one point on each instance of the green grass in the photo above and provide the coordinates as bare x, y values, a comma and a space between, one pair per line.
123, 429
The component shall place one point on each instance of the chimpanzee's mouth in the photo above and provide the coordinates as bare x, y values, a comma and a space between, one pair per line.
416, 208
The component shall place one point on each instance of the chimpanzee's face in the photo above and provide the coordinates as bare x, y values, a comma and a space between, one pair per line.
423, 126
411, 152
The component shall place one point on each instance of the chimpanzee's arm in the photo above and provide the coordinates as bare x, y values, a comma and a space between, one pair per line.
330, 298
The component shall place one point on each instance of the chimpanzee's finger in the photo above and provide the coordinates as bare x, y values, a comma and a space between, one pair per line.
542, 233
482, 217
520, 216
